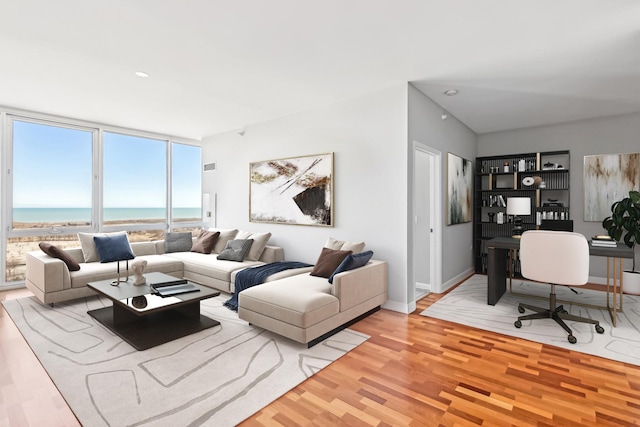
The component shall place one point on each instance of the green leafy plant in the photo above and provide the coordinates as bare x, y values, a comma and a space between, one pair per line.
624, 223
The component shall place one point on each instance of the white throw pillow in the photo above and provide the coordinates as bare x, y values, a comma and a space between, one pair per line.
354, 247
223, 238
334, 244
340, 245
89, 251
260, 241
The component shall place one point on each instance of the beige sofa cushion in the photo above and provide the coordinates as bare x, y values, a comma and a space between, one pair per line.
260, 241
223, 238
355, 247
143, 248
95, 271
301, 300
208, 265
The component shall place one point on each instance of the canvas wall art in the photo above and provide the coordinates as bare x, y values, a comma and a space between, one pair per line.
459, 189
608, 178
295, 190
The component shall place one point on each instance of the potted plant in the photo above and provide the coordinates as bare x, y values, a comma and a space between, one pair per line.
624, 226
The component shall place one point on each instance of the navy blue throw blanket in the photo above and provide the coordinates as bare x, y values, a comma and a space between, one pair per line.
254, 276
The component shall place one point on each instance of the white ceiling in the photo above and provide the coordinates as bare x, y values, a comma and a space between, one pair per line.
219, 65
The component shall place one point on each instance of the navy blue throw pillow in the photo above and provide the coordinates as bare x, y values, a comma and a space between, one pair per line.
113, 248
351, 262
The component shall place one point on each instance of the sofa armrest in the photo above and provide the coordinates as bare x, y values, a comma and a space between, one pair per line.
272, 254
361, 284
47, 273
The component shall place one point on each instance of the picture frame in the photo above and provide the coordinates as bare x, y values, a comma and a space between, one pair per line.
459, 189
293, 190
608, 178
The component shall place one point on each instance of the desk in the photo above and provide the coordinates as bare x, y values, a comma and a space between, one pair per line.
497, 269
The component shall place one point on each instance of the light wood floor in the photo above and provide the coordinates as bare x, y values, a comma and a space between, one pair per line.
414, 371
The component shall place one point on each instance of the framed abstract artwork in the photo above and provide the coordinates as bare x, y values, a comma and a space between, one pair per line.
608, 178
459, 189
295, 190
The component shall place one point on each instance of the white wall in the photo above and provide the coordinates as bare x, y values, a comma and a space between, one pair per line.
618, 134
368, 137
425, 125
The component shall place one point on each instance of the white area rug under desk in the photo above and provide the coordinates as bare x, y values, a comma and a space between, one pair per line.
467, 305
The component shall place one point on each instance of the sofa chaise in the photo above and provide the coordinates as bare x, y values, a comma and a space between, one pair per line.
308, 308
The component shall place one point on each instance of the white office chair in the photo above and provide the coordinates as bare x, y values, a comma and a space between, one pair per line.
557, 258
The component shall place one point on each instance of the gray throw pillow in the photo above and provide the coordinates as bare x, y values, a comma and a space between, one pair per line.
236, 250
178, 242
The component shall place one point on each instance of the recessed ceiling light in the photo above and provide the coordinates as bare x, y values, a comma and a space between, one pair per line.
141, 74
451, 92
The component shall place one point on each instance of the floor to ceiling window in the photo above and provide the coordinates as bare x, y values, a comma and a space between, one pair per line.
64, 177
52, 175
134, 185
186, 184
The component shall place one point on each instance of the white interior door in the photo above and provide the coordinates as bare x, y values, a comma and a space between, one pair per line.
426, 225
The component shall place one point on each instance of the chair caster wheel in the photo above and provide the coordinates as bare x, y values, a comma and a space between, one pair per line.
572, 339
517, 324
599, 329
520, 309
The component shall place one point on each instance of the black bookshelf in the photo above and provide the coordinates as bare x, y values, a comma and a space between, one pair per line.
541, 176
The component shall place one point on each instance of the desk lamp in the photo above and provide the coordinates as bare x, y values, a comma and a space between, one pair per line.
518, 206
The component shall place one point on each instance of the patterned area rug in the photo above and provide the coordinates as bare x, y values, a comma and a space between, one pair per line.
216, 377
467, 305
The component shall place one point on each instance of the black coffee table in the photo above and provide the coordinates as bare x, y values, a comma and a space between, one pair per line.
145, 320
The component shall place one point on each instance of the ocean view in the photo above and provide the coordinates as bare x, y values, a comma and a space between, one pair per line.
44, 215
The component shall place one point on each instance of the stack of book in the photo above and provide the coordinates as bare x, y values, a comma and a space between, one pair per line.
173, 287
603, 241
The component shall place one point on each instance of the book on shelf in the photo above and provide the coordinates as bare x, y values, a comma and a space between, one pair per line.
603, 237
604, 244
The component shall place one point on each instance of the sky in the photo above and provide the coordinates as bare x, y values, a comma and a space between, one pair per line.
52, 167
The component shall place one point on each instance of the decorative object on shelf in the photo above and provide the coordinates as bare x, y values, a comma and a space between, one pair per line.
623, 225
491, 216
459, 187
517, 206
295, 190
522, 165
551, 166
138, 268
528, 181
608, 178
531, 180
506, 166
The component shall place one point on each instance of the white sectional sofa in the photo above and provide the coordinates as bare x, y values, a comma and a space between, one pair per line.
294, 303
51, 281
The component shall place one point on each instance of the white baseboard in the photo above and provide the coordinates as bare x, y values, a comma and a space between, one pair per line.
424, 286
456, 279
400, 307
